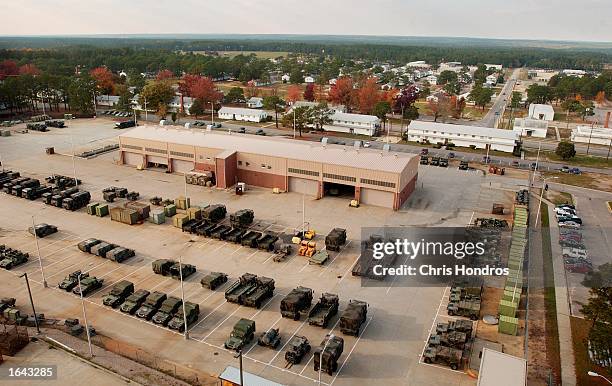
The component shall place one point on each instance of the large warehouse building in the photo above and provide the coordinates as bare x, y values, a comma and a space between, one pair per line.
373, 177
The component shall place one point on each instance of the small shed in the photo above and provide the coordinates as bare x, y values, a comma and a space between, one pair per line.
231, 377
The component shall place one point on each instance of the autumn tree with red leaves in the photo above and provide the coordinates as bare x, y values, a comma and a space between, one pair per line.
309, 93
8, 68
104, 80
29, 69
343, 93
164, 74
368, 95
294, 93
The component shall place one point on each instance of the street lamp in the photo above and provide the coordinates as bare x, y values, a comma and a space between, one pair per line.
39, 257
183, 296
238, 355
594, 374
85, 317
25, 274
328, 339
535, 170
542, 195
212, 113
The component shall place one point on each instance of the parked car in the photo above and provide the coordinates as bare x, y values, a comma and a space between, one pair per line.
575, 253
575, 219
564, 211
451, 155
570, 206
564, 169
533, 166
366, 144
260, 132
575, 171
569, 224
242, 130
424, 151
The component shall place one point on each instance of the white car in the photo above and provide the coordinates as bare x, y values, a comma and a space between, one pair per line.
569, 224
366, 144
575, 253
564, 211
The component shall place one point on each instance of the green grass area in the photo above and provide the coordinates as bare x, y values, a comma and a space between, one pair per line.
550, 312
580, 332
582, 180
559, 198
579, 160
259, 54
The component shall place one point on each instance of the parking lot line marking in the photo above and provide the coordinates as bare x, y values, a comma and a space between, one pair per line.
71, 265
126, 276
283, 370
272, 326
160, 283
220, 324
350, 352
287, 342
237, 249
304, 267
264, 306
207, 315
442, 299
349, 268
269, 257
251, 255
334, 259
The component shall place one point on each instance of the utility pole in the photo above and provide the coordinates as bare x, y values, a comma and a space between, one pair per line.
183, 296
85, 317
39, 257
239, 356
25, 274
146, 111
294, 121
590, 135
73, 162
212, 113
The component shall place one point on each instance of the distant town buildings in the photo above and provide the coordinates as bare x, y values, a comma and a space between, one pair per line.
528, 127
542, 112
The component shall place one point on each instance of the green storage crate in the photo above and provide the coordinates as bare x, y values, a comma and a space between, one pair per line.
508, 308
508, 325
170, 210
91, 208
513, 294
102, 210
158, 216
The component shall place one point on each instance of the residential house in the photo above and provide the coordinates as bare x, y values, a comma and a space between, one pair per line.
309, 79
242, 114
592, 134
107, 100
354, 124
285, 78
255, 103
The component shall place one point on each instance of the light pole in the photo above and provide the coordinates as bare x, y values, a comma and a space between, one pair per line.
212, 113
594, 374
239, 356
85, 317
294, 121
76, 184
542, 195
25, 274
329, 338
183, 296
146, 111
38, 250
537, 163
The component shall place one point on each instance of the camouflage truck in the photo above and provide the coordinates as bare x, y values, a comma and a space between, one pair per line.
219, 231
167, 309
213, 280
72, 280
175, 270
449, 356
214, 213
298, 347
117, 295
266, 242
467, 308
192, 312
255, 296
327, 354
324, 310
235, 292
241, 335
162, 266
281, 250
296, 302
134, 301
270, 338
242, 218
353, 317
454, 339
42, 230
460, 325
335, 239
88, 285
86, 245
102, 248
151, 305
11, 258
120, 254
250, 239
235, 235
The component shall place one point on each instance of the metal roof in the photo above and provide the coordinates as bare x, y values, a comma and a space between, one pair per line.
232, 374
499, 369
241, 111
338, 116
463, 129
277, 147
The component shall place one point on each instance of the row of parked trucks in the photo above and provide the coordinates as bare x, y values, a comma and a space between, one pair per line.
448, 343
106, 250
11, 258
31, 188
168, 267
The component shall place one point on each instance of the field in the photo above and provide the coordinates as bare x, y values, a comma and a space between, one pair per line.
259, 54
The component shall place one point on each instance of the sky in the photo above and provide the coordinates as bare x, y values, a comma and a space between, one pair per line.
578, 20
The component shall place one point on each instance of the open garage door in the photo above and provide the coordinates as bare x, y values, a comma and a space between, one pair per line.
180, 166
132, 159
303, 185
155, 159
376, 197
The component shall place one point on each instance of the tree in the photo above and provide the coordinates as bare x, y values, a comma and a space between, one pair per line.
320, 115
197, 108
80, 94
381, 109
516, 100
601, 277
125, 99
440, 108
600, 97
104, 80
452, 88
136, 80
598, 310
235, 95
425, 90
411, 113
500, 78
294, 93
162, 110
480, 75
539, 94
447, 76
481, 96
274, 102
368, 95
309, 93
29, 69
157, 95
204, 88
301, 118
8, 68
405, 98
457, 106
173, 116
164, 75
565, 150
343, 92
296, 76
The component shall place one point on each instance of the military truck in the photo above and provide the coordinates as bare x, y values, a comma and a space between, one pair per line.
10, 258
235, 292
324, 310
254, 296
235, 235
270, 338
102, 248
281, 250
134, 301
454, 339
214, 213
151, 305
192, 312
167, 309
443, 162
455, 325
162, 266
298, 347
241, 335
435, 161
218, 231
296, 302
266, 242
72, 280
242, 218
250, 239
424, 160
187, 270
205, 229
327, 354
353, 317
117, 295
467, 308
35, 193
120, 254
319, 258
86, 245
7, 303
463, 165
335, 239
446, 355
88, 285
213, 280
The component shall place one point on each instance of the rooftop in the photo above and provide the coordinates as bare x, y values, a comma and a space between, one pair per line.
338, 116
501, 369
361, 158
240, 111
463, 129
232, 374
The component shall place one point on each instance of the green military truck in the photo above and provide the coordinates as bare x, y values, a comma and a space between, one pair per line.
324, 310
270, 338
117, 295
187, 270
214, 213
242, 218
454, 339
11, 258
327, 354
88, 285
335, 239
151, 305
353, 317
213, 280
167, 309
235, 292
162, 266
42, 230
449, 356
455, 325
255, 296
297, 301
298, 347
192, 312
120, 254
72, 280
467, 308
86, 245
241, 335
134, 301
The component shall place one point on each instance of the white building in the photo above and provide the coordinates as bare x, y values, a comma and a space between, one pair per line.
543, 112
180, 103
491, 79
418, 64
432, 79
577, 73
285, 78
588, 134
354, 123
496, 67
333, 81
527, 127
500, 369
462, 135
107, 100
240, 114
255, 103
309, 79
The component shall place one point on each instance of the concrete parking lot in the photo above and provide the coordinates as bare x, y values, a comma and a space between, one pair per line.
399, 318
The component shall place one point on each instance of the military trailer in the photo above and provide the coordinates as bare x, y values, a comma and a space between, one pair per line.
235, 235
72, 280
214, 213
10, 258
42, 230
254, 296
102, 248
134, 301
266, 242
86, 245
117, 295
218, 231
353, 317
235, 292
295, 302
241, 335
167, 309
327, 354
298, 347
192, 312
242, 218
467, 308
250, 239
187, 270
446, 355
213, 280
120, 254
162, 266
270, 338
335, 239
151, 305
88, 285
324, 310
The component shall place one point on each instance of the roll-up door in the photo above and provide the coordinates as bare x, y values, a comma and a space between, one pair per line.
132, 159
376, 197
303, 185
155, 159
180, 166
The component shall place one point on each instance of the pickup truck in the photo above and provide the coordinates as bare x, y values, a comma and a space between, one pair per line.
324, 310
235, 292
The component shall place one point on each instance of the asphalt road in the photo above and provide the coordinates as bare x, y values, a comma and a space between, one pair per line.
497, 110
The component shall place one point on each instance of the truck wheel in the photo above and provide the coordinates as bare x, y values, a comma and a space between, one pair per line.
427, 360
450, 313
474, 317
296, 317
453, 366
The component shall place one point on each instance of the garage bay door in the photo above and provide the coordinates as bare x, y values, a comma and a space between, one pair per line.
376, 197
303, 185
155, 159
132, 159
180, 166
